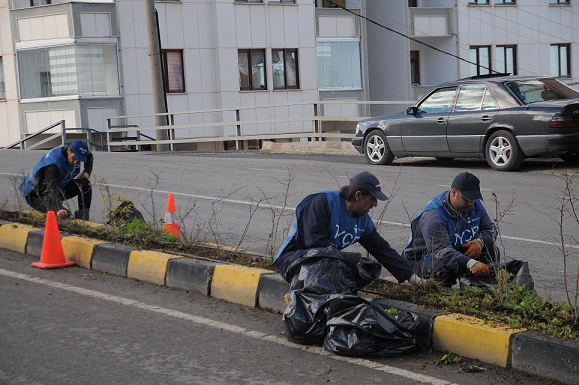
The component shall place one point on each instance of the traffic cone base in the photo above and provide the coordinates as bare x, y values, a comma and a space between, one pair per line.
52, 255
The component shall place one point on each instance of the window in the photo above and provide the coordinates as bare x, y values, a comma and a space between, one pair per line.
559, 2
251, 63
478, 2
334, 3
413, 3
173, 72
2, 83
506, 59
438, 102
281, 1
414, 68
505, 2
474, 97
35, 3
83, 69
561, 60
339, 64
284, 68
480, 58
249, 1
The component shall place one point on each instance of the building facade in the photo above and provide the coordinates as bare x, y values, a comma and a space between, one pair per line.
86, 61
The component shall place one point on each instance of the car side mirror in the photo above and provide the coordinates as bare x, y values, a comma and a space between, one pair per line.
412, 111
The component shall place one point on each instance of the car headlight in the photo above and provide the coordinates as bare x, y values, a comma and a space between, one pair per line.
360, 128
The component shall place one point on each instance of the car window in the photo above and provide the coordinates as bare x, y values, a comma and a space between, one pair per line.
470, 97
438, 102
489, 102
535, 90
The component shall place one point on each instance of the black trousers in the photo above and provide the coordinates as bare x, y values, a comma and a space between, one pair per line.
80, 188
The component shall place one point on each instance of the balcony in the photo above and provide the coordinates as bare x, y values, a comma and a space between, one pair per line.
430, 22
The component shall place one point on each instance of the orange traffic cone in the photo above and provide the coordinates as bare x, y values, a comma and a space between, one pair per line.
52, 255
171, 227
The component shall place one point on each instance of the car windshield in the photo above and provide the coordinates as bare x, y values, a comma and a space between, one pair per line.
541, 89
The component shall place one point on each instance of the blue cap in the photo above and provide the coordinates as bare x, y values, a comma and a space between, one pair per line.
468, 185
80, 150
367, 181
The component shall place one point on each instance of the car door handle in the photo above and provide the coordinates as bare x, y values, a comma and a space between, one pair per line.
486, 117
441, 120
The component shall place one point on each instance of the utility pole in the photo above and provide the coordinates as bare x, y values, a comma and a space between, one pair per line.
159, 106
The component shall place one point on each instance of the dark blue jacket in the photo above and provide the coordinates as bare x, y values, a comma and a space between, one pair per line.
438, 232
322, 220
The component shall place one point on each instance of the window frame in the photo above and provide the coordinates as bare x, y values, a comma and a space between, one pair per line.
479, 2
415, 67
506, 2
46, 2
477, 62
2, 80
341, 82
559, 2
285, 52
248, 52
164, 64
504, 67
567, 59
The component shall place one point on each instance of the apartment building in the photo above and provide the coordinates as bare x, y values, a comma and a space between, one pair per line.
86, 61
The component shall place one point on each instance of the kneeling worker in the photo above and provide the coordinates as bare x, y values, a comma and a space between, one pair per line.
57, 177
453, 235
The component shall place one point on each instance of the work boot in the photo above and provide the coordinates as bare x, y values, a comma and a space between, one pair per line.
82, 214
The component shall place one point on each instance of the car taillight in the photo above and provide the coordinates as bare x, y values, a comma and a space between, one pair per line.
562, 122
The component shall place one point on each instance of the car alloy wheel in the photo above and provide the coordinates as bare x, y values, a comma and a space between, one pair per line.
376, 148
503, 152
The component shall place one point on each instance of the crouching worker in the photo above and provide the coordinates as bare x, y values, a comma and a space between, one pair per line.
337, 219
57, 177
453, 235
324, 280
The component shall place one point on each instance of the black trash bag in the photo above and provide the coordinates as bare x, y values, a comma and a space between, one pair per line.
125, 212
304, 319
318, 274
518, 274
358, 327
328, 270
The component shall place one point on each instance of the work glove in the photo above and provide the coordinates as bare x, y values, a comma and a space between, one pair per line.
426, 284
477, 268
474, 248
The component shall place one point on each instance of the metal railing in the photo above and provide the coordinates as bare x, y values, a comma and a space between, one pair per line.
30, 142
131, 134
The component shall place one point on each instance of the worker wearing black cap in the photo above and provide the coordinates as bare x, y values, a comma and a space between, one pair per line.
453, 235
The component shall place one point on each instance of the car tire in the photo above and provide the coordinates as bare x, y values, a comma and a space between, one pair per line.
376, 148
503, 152
570, 157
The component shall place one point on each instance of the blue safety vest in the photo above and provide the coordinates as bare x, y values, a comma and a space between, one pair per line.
55, 157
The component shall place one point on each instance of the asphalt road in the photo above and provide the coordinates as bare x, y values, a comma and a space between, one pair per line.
78, 326
247, 199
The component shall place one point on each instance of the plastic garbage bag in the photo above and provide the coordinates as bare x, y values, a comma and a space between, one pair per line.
317, 275
518, 274
358, 327
323, 307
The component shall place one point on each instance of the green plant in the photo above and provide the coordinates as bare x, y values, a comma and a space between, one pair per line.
448, 359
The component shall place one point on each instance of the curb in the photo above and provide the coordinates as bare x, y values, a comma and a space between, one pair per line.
530, 352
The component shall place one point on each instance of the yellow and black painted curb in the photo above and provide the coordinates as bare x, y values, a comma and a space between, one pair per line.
530, 352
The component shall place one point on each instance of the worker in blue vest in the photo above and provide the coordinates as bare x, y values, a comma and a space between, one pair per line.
57, 177
338, 219
453, 235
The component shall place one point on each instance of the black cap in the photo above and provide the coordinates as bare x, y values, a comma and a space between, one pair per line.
367, 181
468, 185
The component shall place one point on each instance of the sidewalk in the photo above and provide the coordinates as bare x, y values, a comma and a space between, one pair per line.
529, 352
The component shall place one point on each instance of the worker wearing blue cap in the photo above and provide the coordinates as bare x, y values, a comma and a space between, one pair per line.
57, 177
